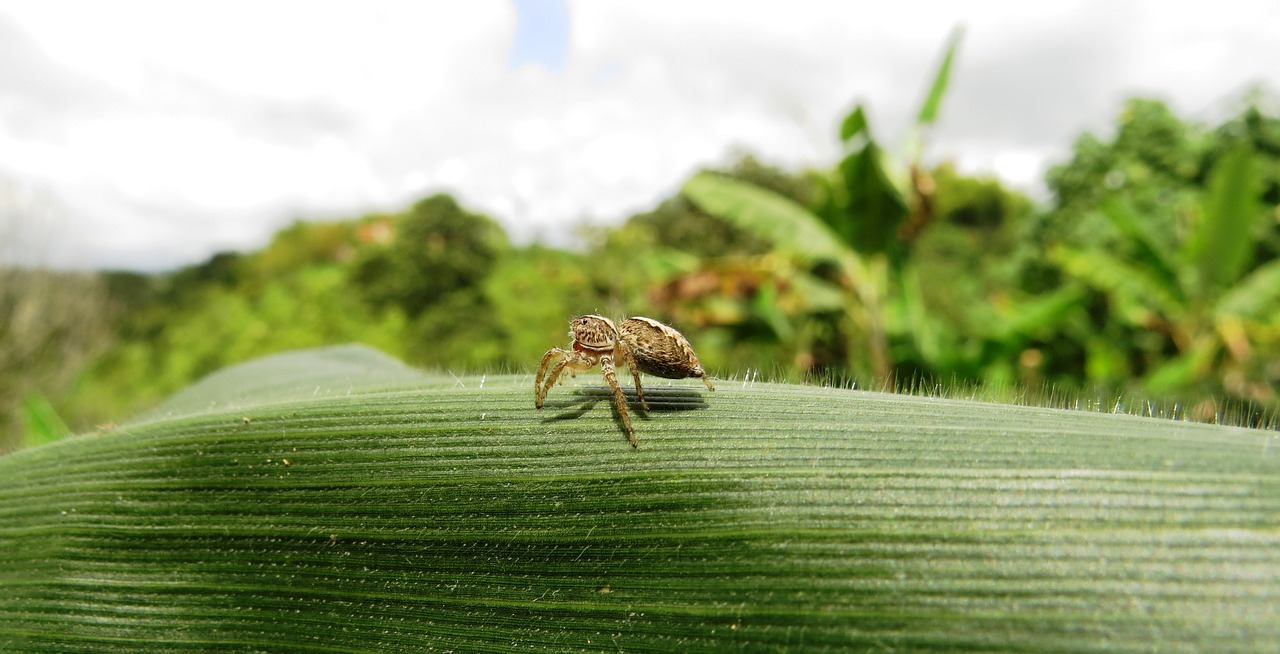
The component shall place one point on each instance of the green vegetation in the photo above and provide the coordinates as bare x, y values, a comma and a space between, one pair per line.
51, 324
336, 500
339, 498
1152, 273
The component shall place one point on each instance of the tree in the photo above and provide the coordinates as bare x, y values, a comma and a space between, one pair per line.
435, 249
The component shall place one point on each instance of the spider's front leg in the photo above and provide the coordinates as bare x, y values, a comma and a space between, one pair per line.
540, 390
620, 400
570, 361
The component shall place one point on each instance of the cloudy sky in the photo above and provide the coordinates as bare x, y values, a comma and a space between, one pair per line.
148, 134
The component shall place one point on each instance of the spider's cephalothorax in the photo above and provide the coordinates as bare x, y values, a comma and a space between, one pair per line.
593, 333
642, 344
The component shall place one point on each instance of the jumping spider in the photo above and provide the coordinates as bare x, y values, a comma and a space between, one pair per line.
642, 344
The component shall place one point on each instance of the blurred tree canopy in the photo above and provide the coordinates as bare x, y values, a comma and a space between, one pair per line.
1172, 227
430, 264
434, 250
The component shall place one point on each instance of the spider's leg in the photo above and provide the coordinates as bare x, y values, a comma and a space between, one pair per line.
572, 362
630, 359
539, 389
620, 400
551, 380
706, 380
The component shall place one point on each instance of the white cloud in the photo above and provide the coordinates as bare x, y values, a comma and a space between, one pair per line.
169, 130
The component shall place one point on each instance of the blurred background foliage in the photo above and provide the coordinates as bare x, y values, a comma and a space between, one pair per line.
1152, 270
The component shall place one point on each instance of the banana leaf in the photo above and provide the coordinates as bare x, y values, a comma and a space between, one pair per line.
788, 226
1255, 297
1222, 243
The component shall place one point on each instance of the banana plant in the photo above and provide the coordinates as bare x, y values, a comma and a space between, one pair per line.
1199, 289
796, 232
865, 228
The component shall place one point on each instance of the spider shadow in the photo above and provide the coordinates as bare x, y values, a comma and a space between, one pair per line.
660, 400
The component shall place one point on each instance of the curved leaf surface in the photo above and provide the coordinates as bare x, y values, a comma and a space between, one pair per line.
398, 512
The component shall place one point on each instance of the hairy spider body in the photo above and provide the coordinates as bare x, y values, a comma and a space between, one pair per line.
642, 344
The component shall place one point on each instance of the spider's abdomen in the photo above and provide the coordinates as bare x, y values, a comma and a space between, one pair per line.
659, 350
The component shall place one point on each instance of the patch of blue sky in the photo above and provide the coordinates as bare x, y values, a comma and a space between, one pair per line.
542, 34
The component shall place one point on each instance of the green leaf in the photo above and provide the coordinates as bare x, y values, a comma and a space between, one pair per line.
1156, 255
929, 109
394, 512
1135, 291
855, 125
875, 207
1185, 369
770, 216
320, 373
816, 295
1039, 315
765, 306
1256, 297
43, 424
1223, 242
926, 332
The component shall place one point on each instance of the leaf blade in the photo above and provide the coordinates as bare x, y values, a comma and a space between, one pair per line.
1159, 256
854, 125
1223, 241
1137, 292
777, 219
932, 105
1255, 297
453, 515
